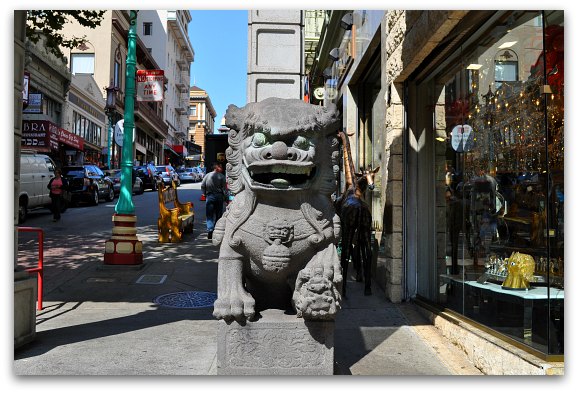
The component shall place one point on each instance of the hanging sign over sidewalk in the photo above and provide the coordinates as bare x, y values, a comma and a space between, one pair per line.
150, 85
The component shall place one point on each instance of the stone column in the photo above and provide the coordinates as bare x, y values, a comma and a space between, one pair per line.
25, 286
275, 66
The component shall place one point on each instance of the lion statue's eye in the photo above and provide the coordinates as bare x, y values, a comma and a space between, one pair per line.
301, 143
259, 140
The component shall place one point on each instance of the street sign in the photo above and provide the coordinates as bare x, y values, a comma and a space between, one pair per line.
461, 135
34, 103
150, 85
119, 132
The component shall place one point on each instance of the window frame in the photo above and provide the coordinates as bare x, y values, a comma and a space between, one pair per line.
147, 28
79, 55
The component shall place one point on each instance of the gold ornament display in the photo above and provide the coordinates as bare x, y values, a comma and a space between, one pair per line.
520, 271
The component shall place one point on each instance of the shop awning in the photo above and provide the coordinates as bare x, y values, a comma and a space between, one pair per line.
195, 157
171, 150
181, 149
43, 134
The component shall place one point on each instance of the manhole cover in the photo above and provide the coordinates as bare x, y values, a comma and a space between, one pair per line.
192, 299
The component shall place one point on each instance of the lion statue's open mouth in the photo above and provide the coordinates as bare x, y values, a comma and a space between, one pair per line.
282, 175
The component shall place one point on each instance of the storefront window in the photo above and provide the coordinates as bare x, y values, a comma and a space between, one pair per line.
500, 179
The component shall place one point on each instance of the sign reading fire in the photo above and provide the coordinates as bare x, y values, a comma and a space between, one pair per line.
150, 85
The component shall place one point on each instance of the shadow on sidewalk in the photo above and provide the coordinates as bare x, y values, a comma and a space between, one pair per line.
48, 340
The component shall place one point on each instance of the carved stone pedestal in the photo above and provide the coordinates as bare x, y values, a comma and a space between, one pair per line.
276, 344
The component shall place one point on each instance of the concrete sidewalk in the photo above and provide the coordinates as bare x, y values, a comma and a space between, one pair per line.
103, 320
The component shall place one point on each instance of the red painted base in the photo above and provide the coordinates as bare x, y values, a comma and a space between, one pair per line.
122, 259
123, 248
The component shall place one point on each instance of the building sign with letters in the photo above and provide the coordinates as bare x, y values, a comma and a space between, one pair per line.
43, 135
150, 85
34, 103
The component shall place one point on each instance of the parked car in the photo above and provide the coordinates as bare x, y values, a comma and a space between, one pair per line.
36, 170
188, 175
87, 183
115, 176
200, 172
168, 173
148, 175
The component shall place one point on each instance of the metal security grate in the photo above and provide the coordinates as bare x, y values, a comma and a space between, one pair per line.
192, 299
101, 279
151, 279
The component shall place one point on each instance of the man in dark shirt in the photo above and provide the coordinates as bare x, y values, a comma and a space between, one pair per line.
214, 187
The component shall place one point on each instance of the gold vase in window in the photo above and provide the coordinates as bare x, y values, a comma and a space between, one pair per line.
520, 271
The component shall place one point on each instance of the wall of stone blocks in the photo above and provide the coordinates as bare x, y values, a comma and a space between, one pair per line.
408, 37
487, 353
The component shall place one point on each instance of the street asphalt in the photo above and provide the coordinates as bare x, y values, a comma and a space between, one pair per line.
156, 318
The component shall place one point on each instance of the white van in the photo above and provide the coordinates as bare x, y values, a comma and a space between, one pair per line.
36, 170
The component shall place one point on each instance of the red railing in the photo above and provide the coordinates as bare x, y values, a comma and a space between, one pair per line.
39, 270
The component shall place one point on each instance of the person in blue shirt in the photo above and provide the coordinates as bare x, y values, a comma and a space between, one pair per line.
214, 187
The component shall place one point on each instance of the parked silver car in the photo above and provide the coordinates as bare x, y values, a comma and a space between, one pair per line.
115, 176
168, 174
200, 172
188, 175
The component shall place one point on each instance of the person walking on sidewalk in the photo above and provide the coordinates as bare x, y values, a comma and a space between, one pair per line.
57, 186
214, 186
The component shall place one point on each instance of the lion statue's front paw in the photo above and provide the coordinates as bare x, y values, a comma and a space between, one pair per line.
235, 305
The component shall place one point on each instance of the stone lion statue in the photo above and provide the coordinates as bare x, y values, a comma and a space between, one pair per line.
278, 236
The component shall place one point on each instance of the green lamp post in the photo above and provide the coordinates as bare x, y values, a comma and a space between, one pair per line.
124, 248
124, 204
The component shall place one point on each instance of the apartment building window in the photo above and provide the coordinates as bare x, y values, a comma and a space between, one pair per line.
505, 67
194, 110
147, 28
117, 73
86, 129
82, 63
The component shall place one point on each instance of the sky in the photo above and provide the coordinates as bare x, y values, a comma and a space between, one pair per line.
219, 39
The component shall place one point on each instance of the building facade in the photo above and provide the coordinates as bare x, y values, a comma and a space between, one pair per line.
103, 57
201, 118
44, 128
463, 112
165, 33
84, 116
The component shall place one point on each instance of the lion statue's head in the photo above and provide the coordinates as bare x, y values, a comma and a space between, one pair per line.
282, 145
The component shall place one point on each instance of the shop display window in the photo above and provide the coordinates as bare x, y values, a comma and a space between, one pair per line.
500, 179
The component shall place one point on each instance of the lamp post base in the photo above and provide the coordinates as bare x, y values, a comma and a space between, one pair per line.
123, 248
